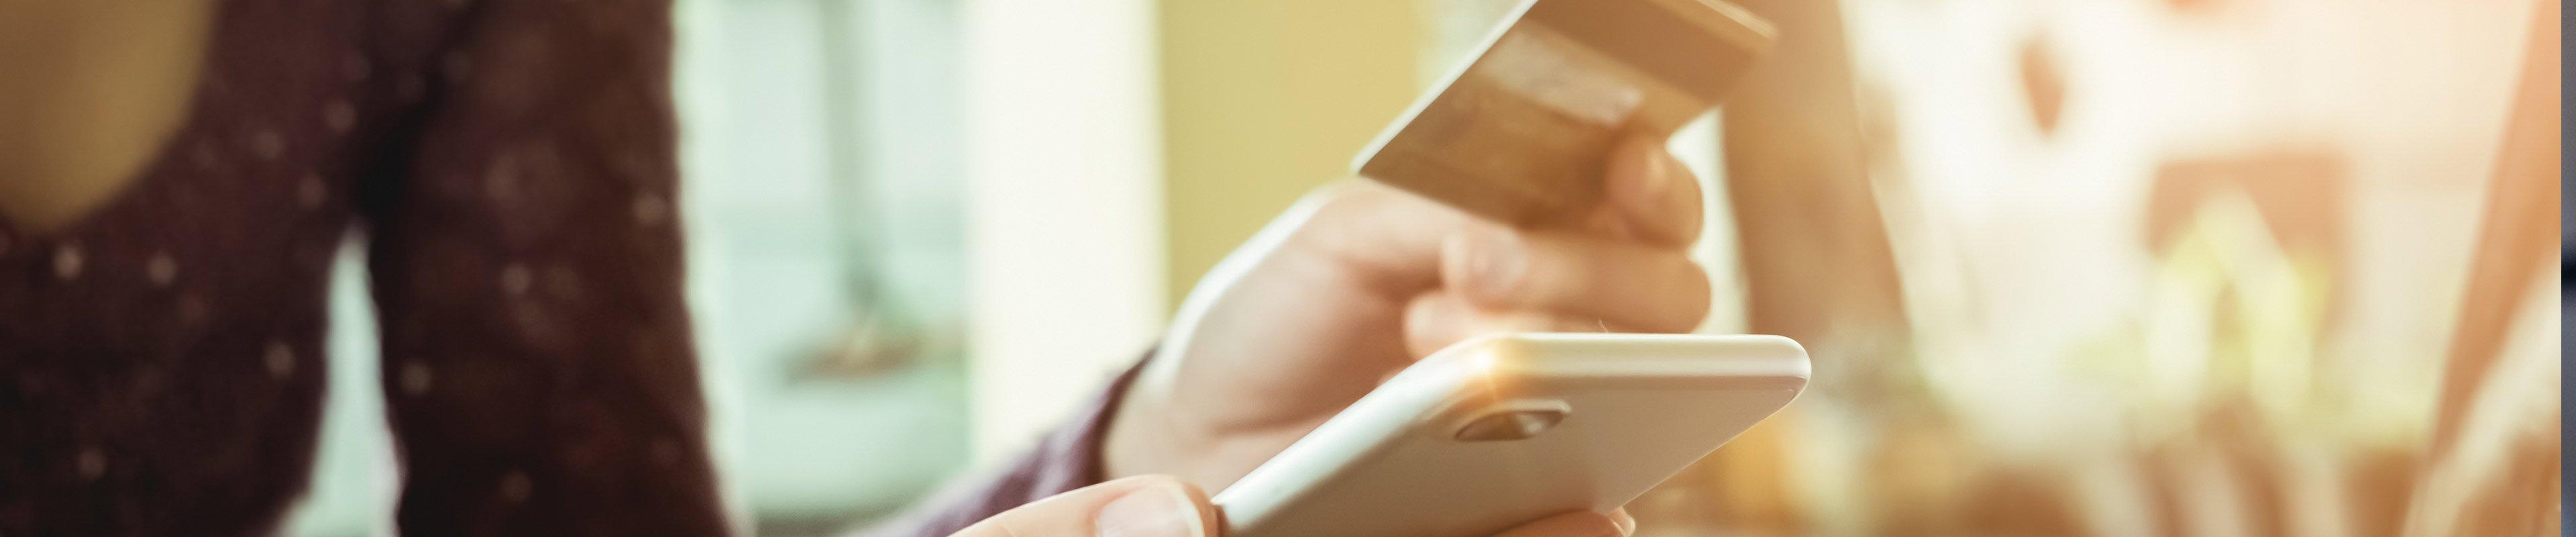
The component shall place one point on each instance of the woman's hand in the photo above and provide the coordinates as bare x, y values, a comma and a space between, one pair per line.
1162, 506
1361, 279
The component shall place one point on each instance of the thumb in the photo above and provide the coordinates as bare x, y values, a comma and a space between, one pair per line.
1141, 506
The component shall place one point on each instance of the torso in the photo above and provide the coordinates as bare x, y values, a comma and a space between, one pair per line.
175, 176
162, 306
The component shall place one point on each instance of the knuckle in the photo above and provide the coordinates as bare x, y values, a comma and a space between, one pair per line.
1499, 268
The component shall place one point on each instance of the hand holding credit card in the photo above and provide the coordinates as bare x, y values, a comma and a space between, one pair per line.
1519, 134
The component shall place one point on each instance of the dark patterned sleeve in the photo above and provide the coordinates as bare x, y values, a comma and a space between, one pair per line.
526, 266
1066, 459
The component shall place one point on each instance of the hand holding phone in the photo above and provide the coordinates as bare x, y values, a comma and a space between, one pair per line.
1162, 506
1499, 431
1362, 278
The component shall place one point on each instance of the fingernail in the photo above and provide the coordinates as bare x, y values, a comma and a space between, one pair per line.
1627, 524
1496, 261
1160, 511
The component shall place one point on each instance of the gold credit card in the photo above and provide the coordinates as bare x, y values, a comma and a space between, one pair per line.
1520, 133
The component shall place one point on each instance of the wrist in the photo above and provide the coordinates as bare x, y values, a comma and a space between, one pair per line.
1138, 436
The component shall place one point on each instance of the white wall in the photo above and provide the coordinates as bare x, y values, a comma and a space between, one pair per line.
1063, 201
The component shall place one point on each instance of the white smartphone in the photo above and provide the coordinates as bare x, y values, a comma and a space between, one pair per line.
1498, 431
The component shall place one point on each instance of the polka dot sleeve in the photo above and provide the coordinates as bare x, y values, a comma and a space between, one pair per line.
527, 272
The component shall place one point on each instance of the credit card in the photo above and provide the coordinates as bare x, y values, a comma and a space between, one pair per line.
1520, 133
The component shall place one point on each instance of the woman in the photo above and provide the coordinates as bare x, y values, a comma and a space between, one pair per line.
175, 175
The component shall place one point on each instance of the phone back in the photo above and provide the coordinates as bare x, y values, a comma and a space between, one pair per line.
1496, 432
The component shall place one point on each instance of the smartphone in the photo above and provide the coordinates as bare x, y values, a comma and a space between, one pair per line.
1502, 430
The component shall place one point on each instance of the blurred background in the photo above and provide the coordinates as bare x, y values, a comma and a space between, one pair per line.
2109, 267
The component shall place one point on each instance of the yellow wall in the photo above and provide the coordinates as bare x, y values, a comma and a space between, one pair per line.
1265, 99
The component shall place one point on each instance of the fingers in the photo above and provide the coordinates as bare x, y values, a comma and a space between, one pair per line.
1141, 506
1655, 289
1393, 236
1437, 320
1648, 194
1577, 524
